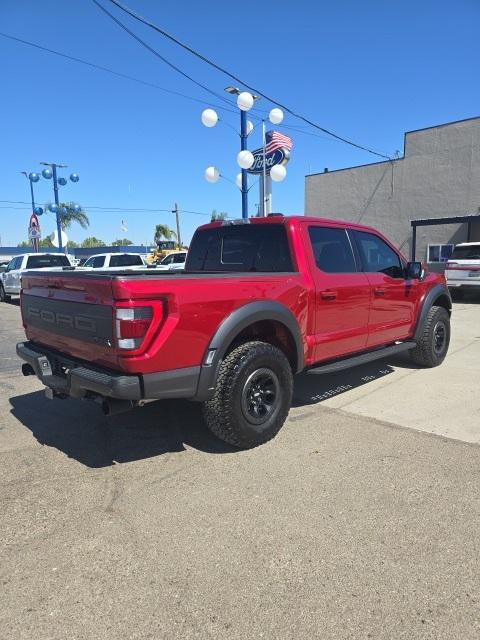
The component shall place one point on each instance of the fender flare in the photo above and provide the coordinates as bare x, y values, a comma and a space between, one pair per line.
435, 293
232, 326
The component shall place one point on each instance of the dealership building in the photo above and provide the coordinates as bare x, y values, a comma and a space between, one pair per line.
428, 199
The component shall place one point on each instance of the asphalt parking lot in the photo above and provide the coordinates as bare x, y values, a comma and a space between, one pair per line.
360, 520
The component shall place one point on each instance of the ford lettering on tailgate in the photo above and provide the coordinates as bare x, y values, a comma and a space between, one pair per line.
88, 322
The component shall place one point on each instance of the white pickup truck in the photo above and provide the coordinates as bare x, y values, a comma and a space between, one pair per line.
10, 279
109, 261
462, 271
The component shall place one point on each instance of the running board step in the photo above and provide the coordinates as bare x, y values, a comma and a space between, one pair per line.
370, 356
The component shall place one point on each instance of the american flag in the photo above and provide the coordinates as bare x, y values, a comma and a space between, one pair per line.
275, 140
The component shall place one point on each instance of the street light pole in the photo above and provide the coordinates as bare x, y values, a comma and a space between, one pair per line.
243, 146
31, 190
55, 192
54, 166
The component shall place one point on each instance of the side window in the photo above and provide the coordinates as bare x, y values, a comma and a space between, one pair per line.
11, 264
168, 260
377, 256
16, 263
95, 262
179, 258
332, 250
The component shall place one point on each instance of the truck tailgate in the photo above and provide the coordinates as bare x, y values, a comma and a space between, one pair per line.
70, 315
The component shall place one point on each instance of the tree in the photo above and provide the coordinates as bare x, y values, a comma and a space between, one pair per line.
121, 242
71, 244
163, 231
44, 242
218, 216
92, 242
71, 215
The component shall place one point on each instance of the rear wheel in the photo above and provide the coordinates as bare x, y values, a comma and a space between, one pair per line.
432, 346
252, 397
3, 296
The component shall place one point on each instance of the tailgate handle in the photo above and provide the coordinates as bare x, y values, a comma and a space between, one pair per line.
328, 295
379, 292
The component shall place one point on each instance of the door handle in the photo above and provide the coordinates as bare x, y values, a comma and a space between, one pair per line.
379, 292
328, 295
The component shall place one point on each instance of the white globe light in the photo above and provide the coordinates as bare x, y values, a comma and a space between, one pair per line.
238, 180
275, 116
209, 117
278, 173
245, 101
249, 127
245, 159
212, 174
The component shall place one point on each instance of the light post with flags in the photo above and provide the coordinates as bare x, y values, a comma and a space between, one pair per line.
268, 162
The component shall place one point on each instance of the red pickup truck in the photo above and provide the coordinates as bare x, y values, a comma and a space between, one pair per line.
260, 300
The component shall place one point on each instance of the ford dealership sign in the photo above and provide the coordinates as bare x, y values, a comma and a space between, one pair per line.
279, 156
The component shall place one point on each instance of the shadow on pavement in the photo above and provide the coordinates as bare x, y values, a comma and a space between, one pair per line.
81, 431
312, 389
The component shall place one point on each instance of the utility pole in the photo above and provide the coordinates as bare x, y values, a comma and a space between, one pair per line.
177, 220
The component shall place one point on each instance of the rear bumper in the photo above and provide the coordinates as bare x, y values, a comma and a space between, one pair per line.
72, 378
470, 284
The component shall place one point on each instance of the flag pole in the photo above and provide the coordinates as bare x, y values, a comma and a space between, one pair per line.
264, 210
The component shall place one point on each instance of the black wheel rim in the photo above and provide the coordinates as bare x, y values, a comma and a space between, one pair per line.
439, 337
260, 396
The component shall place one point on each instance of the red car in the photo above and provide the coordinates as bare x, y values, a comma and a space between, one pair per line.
260, 300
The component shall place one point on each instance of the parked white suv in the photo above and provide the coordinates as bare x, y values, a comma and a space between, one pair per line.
10, 279
109, 261
463, 269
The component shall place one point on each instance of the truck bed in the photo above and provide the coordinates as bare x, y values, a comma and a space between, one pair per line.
74, 312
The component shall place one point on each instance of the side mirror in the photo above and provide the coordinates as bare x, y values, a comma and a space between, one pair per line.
414, 271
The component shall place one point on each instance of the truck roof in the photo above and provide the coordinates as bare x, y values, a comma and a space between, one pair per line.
296, 220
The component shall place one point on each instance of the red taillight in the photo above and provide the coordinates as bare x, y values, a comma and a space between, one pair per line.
133, 328
132, 324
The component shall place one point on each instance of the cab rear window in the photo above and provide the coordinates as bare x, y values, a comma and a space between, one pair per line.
43, 261
125, 261
248, 247
466, 253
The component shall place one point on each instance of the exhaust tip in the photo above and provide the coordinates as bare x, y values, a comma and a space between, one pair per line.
27, 369
113, 407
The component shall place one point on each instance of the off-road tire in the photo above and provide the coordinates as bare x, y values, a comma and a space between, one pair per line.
430, 351
231, 410
3, 296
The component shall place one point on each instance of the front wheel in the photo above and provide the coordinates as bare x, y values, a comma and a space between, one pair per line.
3, 295
432, 346
252, 396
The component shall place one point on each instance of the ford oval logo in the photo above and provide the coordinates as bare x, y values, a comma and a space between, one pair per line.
271, 159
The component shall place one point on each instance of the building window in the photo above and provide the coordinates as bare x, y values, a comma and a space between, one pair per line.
439, 252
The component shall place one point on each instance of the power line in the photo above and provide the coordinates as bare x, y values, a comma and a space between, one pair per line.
158, 55
216, 66
115, 73
111, 209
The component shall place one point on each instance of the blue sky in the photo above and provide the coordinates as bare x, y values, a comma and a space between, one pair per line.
367, 70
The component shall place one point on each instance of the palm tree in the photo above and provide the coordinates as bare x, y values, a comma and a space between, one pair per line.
163, 231
73, 213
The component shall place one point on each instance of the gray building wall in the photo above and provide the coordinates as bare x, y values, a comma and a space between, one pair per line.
438, 176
